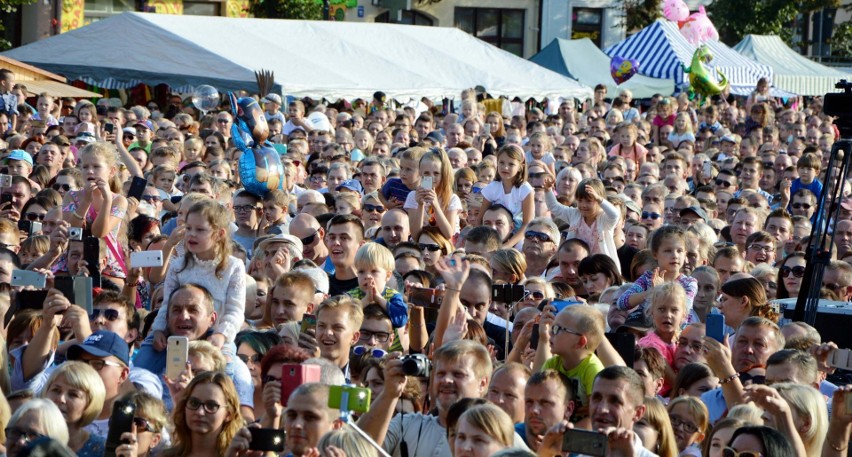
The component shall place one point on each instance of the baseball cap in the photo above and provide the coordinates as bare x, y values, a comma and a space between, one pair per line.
274, 98
697, 210
61, 140
284, 238
102, 343
351, 184
728, 138
20, 154
435, 136
85, 137
129, 130
144, 125
632, 206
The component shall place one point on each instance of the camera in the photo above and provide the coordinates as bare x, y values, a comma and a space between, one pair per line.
75, 233
838, 105
507, 293
415, 365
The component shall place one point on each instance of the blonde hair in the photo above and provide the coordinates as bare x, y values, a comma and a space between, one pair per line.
443, 189
343, 303
657, 417
492, 421
371, 255
106, 152
348, 441
591, 321
205, 350
350, 198
219, 219
669, 292
548, 288
697, 410
39, 243
685, 115
807, 402
747, 412
81, 376
510, 260
150, 408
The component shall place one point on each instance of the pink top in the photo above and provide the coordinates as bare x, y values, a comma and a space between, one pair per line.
652, 340
637, 153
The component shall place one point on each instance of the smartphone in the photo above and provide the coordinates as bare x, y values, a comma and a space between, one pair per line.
6, 198
110, 128
486, 129
507, 293
65, 284
120, 422
841, 358
5, 181
177, 353
708, 169
358, 402
624, 344
24, 278
30, 299
584, 442
426, 297
137, 188
559, 305
145, 259
29, 227
426, 182
294, 375
716, 326
476, 190
534, 336
92, 256
309, 321
83, 288
266, 439
75, 233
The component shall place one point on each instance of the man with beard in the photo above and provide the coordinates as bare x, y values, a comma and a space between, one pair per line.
540, 243
549, 400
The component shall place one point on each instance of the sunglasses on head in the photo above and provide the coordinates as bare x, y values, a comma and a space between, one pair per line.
109, 314
798, 272
652, 216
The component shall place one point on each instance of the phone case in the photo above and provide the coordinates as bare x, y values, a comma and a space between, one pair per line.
176, 356
584, 442
137, 188
120, 421
23, 278
266, 439
294, 375
426, 297
426, 182
145, 259
716, 327
359, 398
309, 321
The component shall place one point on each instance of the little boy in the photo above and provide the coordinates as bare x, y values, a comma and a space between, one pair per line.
296, 111
395, 190
374, 266
275, 204
193, 150
19, 163
8, 101
575, 334
271, 107
808, 167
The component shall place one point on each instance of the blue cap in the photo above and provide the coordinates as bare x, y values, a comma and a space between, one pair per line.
351, 184
102, 343
19, 154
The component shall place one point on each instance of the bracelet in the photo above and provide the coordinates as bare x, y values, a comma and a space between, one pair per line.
454, 290
131, 284
728, 379
77, 215
838, 448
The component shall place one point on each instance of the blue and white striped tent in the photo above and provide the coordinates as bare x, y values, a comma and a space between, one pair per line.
661, 50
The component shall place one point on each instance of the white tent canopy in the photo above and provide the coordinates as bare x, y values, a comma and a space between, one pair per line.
585, 62
309, 58
793, 72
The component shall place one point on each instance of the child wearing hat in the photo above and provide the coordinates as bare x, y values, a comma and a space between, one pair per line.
18, 163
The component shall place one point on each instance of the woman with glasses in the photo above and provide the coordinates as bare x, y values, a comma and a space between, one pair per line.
36, 208
150, 420
78, 391
536, 290
206, 417
251, 347
372, 210
790, 274
433, 246
35, 419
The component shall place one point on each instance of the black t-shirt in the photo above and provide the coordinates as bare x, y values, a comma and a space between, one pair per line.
339, 287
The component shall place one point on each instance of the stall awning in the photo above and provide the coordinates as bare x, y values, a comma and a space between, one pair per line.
57, 89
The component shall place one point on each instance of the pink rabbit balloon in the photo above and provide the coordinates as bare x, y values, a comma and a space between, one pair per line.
698, 28
675, 10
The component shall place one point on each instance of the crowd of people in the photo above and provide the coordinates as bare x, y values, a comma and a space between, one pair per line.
510, 282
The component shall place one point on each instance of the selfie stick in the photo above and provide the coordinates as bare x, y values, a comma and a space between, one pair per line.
346, 417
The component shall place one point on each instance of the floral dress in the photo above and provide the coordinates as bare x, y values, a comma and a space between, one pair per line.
115, 266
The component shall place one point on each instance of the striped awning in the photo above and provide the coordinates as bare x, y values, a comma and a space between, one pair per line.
661, 51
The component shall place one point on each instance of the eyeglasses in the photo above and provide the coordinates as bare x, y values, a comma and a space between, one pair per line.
696, 346
34, 216
109, 314
255, 359
374, 208
373, 352
61, 187
143, 425
678, 422
210, 406
558, 329
222, 121
99, 364
245, 208
151, 198
532, 235
652, 216
381, 337
536, 175
730, 452
535, 294
429, 247
761, 248
14, 434
318, 178
723, 184
804, 206
798, 272
309, 239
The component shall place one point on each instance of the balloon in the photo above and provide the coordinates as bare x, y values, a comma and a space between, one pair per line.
698, 28
205, 98
260, 165
675, 10
623, 69
700, 80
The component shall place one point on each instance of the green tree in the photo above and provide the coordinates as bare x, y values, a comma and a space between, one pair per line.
286, 9
737, 18
638, 14
7, 7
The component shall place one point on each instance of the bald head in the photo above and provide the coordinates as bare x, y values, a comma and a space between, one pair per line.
395, 227
305, 227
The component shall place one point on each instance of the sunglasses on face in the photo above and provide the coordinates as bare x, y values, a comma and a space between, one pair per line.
798, 272
142, 425
374, 208
373, 352
255, 359
652, 216
61, 187
222, 121
109, 314
34, 216
534, 294
151, 198
309, 239
538, 236
723, 184
730, 452
429, 247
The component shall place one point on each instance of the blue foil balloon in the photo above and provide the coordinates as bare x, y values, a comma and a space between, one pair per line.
260, 164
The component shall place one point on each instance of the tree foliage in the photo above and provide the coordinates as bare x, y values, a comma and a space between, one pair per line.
7, 7
286, 9
638, 14
737, 18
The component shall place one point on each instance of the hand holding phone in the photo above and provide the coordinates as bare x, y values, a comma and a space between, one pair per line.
426, 182
716, 327
266, 439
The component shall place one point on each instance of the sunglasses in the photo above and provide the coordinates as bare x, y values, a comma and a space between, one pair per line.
429, 247
723, 184
151, 198
34, 216
652, 216
804, 206
538, 236
255, 359
309, 239
535, 294
109, 314
61, 187
798, 272
373, 352
143, 425
730, 452
374, 208
222, 121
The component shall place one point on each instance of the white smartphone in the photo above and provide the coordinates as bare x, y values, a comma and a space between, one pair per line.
840, 358
5, 181
24, 278
426, 182
145, 259
177, 353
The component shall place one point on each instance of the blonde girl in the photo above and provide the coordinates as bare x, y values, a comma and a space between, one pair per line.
364, 142
655, 429
809, 414
667, 313
541, 148
625, 135
437, 206
99, 206
690, 420
485, 172
511, 190
682, 130
208, 263
665, 116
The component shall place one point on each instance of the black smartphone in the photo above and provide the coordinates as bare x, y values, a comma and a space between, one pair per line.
65, 284
625, 344
30, 299
91, 254
584, 442
507, 293
120, 422
5, 198
266, 440
110, 128
534, 337
137, 188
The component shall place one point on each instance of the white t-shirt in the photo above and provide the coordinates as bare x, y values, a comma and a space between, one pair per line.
455, 205
514, 200
547, 158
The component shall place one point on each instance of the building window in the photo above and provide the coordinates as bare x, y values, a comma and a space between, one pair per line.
409, 17
202, 8
96, 10
503, 28
586, 23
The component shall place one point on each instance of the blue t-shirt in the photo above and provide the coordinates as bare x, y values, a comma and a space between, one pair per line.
394, 189
815, 187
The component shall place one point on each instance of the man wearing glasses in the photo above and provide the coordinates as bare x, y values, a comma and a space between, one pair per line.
223, 124
305, 227
541, 240
248, 212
